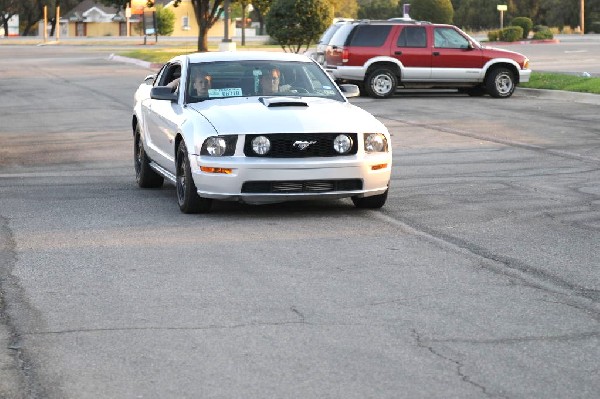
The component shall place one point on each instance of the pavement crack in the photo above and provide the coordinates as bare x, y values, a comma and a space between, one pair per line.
15, 364
155, 328
516, 340
459, 366
516, 269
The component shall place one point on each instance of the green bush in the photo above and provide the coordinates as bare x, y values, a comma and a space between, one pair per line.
493, 35
543, 34
511, 34
525, 23
436, 11
538, 28
297, 23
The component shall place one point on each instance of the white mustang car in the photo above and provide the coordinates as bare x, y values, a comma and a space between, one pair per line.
256, 127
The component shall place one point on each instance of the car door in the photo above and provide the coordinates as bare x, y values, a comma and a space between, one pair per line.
454, 57
161, 120
412, 50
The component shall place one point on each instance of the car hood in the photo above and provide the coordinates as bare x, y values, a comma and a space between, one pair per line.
496, 52
251, 115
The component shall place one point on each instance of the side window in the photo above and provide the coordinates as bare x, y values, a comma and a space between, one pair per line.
370, 35
449, 38
160, 75
412, 36
170, 75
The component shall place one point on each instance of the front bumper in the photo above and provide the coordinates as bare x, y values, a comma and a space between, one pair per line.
524, 75
375, 179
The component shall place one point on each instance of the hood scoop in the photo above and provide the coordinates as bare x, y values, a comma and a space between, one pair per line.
283, 102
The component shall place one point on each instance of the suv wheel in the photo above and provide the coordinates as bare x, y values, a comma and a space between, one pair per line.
381, 83
500, 82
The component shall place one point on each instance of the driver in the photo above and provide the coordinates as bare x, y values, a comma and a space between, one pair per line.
269, 82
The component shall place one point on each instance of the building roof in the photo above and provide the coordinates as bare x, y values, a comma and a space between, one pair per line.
86, 5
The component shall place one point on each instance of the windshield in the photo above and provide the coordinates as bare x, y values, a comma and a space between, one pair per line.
213, 80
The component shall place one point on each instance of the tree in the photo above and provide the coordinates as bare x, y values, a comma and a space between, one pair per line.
165, 20
476, 14
378, 9
435, 11
261, 9
344, 8
8, 8
297, 23
207, 13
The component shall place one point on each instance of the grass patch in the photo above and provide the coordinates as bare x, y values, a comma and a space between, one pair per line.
158, 56
560, 81
163, 55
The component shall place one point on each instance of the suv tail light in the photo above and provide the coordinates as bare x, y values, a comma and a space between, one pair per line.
345, 55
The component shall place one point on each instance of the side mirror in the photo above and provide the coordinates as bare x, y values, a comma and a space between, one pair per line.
149, 79
163, 93
350, 90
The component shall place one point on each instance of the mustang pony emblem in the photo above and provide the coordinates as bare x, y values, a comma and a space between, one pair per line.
303, 145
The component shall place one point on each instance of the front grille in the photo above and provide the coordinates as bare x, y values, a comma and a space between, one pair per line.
301, 186
282, 145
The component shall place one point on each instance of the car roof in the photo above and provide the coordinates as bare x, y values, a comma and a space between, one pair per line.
215, 56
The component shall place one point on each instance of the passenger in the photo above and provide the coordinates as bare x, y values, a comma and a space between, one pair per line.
201, 84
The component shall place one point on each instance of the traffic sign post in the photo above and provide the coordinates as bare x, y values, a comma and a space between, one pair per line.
502, 8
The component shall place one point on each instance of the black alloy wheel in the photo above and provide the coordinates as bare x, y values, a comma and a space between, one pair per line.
145, 176
187, 195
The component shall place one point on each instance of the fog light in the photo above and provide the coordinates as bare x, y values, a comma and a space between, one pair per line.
342, 144
261, 145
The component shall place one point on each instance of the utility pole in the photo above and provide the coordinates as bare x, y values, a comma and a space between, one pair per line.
582, 15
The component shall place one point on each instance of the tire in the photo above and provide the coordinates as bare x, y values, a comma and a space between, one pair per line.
381, 83
187, 195
372, 202
145, 176
500, 82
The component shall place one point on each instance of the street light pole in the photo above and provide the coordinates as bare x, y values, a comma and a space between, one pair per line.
226, 44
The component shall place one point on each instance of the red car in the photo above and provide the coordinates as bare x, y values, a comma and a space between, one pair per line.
381, 56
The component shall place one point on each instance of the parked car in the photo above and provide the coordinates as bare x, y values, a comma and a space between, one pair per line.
319, 53
384, 55
256, 127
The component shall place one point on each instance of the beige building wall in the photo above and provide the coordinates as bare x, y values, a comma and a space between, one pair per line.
185, 22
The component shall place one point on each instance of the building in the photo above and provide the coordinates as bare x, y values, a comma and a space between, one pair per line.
93, 19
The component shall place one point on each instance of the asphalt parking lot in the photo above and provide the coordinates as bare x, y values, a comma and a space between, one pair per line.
478, 279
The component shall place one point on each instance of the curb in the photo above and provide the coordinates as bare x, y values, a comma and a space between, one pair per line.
143, 64
561, 95
544, 41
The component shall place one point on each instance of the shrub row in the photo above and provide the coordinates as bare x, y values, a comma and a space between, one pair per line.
508, 34
519, 29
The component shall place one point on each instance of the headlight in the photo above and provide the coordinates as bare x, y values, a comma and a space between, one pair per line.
218, 146
526, 63
261, 145
342, 144
375, 142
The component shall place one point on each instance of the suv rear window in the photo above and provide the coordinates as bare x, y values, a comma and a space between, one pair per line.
326, 37
339, 37
369, 35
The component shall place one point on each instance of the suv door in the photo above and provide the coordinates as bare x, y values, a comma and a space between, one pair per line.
454, 57
412, 50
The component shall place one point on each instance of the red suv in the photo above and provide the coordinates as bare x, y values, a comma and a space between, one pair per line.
381, 56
